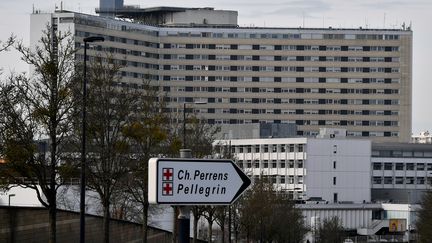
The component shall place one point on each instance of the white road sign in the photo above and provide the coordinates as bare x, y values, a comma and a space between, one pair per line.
195, 181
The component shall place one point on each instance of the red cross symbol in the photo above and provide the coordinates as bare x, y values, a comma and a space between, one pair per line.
167, 189
167, 174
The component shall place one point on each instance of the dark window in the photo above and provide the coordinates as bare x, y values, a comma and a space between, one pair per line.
366, 48
322, 80
322, 69
344, 48
366, 59
255, 79
300, 58
299, 69
166, 45
233, 68
299, 80
233, 57
233, 79
212, 57
189, 78
255, 58
344, 59
277, 69
234, 47
277, 79
366, 70
387, 59
300, 48
322, 59
277, 58
256, 68
278, 47
255, 47
322, 48
189, 46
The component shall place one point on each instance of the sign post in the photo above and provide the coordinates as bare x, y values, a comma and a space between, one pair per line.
195, 181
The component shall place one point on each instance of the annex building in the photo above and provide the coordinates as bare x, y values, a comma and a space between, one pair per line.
356, 79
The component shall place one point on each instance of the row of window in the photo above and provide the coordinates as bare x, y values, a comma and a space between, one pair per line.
290, 101
399, 180
279, 79
295, 111
291, 179
272, 164
280, 58
282, 47
280, 90
281, 69
296, 36
268, 148
231, 34
402, 166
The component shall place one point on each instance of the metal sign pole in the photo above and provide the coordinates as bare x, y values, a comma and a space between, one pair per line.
184, 215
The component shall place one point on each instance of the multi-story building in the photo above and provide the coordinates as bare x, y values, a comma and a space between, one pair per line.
328, 169
401, 172
358, 79
334, 168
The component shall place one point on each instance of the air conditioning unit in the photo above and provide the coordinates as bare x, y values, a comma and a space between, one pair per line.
332, 136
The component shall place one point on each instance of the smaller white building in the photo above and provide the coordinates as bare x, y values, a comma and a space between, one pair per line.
333, 169
423, 137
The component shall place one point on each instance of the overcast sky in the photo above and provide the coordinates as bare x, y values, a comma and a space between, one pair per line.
14, 18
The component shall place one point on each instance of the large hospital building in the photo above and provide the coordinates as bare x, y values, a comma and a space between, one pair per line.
356, 79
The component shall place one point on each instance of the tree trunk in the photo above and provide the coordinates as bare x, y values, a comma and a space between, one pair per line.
223, 232
145, 222
52, 223
210, 231
106, 221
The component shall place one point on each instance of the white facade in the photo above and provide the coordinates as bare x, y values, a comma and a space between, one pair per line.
423, 137
338, 169
330, 169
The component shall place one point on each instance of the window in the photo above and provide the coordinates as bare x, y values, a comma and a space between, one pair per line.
429, 167
334, 180
410, 180
420, 180
420, 166
377, 166
335, 197
388, 166
290, 179
300, 164
274, 164
291, 163
388, 180
399, 180
399, 166
410, 166
377, 180
334, 164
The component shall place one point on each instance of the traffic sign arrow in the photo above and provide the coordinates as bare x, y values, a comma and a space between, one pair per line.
195, 181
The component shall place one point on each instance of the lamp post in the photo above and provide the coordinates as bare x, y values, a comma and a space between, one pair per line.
10, 195
84, 128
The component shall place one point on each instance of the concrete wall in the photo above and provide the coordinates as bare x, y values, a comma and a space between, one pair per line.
339, 166
29, 224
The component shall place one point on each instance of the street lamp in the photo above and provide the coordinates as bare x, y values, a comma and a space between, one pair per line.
84, 127
184, 118
10, 195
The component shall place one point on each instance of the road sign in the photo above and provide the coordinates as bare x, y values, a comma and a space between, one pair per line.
195, 181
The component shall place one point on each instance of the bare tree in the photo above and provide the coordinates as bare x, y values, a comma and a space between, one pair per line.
109, 110
148, 134
331, 231
39, 108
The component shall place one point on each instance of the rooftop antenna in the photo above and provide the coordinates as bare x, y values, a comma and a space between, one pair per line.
33, 9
